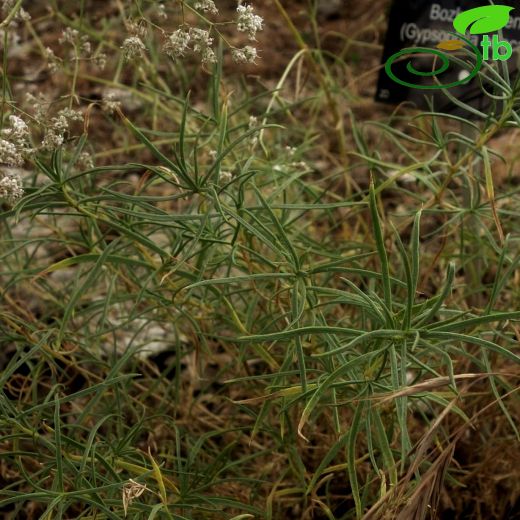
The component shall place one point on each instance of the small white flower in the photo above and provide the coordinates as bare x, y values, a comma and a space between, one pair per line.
202, 44
13, 142
110, 103
59, 125
225, 176
246, 55
69, 36
136, 28
124, 98
407, 177
208, 56
206, 6
39, 105
86, 161
300, 165
7, 5
11, 187
71, 115
9, 154
201, 38
248, 22
24, 15
53, 62
86, 46
100, 60
177, 43
253, 123
18, 132
161, 11
133, 48
52, 140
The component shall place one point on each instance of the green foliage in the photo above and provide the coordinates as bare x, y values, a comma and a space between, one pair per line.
323, 341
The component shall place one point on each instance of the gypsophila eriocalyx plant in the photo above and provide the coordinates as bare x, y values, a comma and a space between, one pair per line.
200, 41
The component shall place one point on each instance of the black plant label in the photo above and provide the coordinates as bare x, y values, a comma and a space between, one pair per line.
419, 23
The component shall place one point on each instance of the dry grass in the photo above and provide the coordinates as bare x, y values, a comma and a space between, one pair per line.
317, 348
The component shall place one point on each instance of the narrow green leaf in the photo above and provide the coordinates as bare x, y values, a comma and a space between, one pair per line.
380, 244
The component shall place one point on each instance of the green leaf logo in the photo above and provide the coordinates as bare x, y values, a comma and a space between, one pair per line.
482, 20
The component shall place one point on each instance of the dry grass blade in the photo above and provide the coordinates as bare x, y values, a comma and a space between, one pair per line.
427, 385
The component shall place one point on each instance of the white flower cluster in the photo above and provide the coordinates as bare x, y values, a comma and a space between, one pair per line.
133, 48
100, 60
38, 104
110, 103
59, 125
177, 43
115, 98
86, 161
53, 62
80, 45
11, 187
56, 127
202, 44
72, 37
69, 35
199, 41
247, 21
206, 6
246, 55
196, 39
21, 14
136, 28
18, 131
225, 177
161, 11
252, 124
9, 154
13, 143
